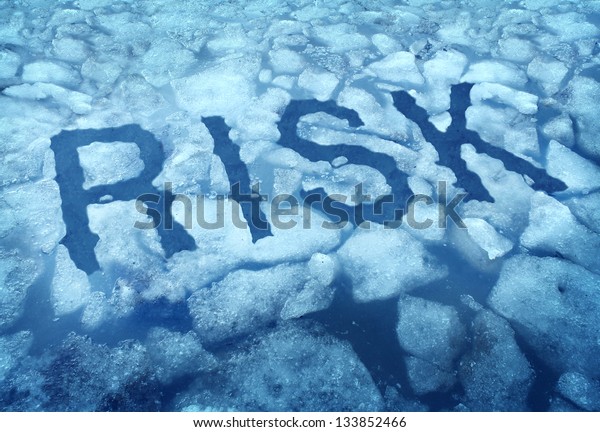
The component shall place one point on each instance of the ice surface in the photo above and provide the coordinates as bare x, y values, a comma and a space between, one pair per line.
554, 306
361, 255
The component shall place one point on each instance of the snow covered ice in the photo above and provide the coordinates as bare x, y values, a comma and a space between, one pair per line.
299, 205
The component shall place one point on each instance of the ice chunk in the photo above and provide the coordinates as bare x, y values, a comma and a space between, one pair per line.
136, 96
223, 90
505, 127
35, 209
580, 174
558, 404
343, 180
174, 355
430, 331
444, 69
109, 163
320, 84
70, 286
341, 37
284, 81
122, 246
516, 49
555, 307
79, 103
96, 312
509, 190
425, 377
525, 103
13, 21
560, 129
188, 167
104, 73
339, 161
165, 61
12, 349
45, 71
244, 301
495, 374
580, 390
362, 256
548, 72
83, 376
495, 72
582, 103
384, 119
394, 401
385, 44
318, 291
487, 238
441, 121
286, 61
9, 64
93, 4
399, 67
587, 210
553, 229
234, 41
69, 49
570, 26
265, 76
292, 369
